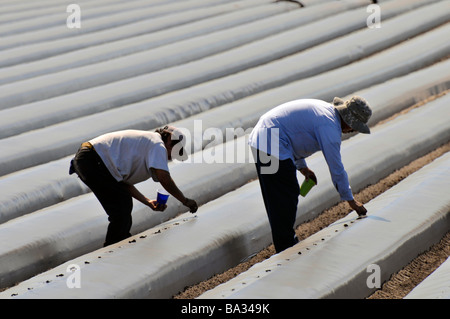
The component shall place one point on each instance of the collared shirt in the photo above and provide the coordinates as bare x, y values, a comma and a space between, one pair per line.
298, 129
130, 155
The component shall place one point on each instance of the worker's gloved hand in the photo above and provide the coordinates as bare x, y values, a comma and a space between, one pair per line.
191, 204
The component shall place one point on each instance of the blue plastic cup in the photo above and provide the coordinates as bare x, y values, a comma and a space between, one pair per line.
162, 196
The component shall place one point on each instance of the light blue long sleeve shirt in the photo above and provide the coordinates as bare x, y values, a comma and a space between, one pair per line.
298, 129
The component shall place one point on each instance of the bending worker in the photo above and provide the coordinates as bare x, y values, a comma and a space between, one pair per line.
111, 164
284, 137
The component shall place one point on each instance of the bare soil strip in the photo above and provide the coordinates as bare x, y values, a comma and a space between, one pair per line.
399, 285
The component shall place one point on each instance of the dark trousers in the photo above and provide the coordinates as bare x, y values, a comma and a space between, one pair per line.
114, 196
280, 191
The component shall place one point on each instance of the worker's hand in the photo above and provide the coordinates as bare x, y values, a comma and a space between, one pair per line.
358, 207
154, 205
191, 204
309, 174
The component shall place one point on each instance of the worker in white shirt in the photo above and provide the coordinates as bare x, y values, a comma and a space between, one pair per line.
111, 164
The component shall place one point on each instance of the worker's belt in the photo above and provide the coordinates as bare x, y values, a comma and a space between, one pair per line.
88, 145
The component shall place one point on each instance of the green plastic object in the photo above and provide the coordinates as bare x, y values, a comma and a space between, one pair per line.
306, 186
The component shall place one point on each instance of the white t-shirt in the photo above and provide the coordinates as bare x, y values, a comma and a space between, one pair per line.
130, 155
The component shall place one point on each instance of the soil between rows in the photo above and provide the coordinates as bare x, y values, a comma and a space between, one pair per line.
400, 283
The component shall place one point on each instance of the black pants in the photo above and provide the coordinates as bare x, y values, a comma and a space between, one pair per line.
280, 191
114, 196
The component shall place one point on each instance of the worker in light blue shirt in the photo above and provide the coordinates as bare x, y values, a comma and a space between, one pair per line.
284, 137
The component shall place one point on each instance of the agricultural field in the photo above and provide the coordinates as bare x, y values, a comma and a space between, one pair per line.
71, 72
